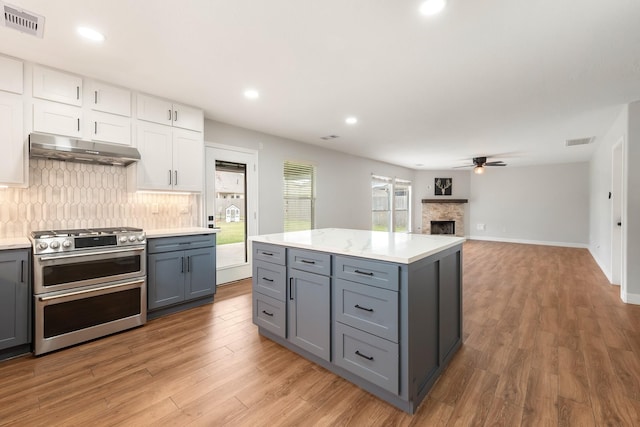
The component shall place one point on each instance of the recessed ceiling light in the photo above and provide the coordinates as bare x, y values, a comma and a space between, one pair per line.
251, 94
432, 7
91, 34
351, 120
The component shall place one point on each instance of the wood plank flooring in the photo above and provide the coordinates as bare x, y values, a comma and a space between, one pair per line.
547, 342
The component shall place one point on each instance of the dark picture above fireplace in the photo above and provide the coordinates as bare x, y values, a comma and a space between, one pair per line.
443, 186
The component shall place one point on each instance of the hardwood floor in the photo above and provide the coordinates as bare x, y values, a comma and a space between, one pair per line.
547, 342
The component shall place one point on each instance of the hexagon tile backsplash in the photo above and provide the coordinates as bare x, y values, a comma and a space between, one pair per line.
73, 195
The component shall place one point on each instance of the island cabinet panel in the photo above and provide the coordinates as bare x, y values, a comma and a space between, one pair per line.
309, 312
270, 279
367, 308
374, 273
270, 313
311, 261
269, 253
450, 295
371, 358
389, 327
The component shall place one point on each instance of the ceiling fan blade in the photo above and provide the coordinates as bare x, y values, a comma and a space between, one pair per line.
495, 164
465, 166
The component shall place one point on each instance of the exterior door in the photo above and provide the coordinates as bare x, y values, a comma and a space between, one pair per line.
231, 207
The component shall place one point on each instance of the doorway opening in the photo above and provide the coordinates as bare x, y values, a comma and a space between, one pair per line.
617, 220
231, 207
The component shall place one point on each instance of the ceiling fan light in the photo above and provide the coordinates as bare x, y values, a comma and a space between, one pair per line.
478, 170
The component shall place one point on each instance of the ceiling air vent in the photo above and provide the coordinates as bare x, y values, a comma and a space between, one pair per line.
579, 141
329, 137
23, 20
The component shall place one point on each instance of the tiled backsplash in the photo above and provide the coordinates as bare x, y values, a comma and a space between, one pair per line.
74, 195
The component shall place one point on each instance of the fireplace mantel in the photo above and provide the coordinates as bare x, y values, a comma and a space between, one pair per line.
445, 201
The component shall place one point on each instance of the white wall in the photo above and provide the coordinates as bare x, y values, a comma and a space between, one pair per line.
343, 182
547, 204
632, 214
600, 184
423, 188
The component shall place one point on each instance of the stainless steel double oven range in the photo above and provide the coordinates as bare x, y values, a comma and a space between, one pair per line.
87, 284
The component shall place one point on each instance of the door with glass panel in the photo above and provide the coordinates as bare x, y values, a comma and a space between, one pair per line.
230, 207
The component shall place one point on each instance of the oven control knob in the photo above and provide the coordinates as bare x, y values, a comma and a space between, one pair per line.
66, 244
54, 245
123, 239
132, 238
43, 245
141, 238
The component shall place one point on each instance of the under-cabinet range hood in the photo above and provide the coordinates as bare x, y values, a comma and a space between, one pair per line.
76, 150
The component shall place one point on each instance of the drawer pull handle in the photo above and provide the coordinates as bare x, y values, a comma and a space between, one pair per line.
364, 355
366, 273
306, 261
267, 253
363, 308
267, 313
266, 279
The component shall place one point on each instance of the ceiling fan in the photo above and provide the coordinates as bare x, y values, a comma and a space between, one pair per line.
480, 162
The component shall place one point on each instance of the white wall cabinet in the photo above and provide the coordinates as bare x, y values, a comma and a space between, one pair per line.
111, 128
171, 158
58, 119
109, 99
12, 161
167, 113
10, 75
54, 85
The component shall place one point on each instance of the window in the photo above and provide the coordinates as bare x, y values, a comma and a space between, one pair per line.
390, 204
299, 196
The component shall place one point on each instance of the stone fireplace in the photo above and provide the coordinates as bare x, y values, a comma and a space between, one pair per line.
443, 216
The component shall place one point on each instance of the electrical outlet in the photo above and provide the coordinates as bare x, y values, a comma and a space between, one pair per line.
185, 209
155, 209
480, 227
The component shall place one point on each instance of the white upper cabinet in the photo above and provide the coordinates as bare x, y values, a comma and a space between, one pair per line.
188, 155
57, 86
167, 113
10, 75
188, 117
58, 119
109, 99
109, 128
171, 159
12, 160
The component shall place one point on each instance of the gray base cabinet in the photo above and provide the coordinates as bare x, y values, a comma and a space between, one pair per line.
389, 328
15, 299
181, 270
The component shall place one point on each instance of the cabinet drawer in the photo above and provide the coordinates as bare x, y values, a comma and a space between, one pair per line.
179, 243
270, 279
269, 253
311, 261
270, 314
371, 358
374, 273
367, 308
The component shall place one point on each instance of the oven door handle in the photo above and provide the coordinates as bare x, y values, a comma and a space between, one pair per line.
54, 258
92, 290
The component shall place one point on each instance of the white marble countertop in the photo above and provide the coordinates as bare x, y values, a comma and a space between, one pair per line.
170, 232
395, 247
14, 243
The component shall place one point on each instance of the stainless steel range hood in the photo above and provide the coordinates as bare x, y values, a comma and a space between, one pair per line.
75, 150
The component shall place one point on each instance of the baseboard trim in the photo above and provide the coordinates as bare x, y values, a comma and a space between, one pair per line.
530, 242
631, 298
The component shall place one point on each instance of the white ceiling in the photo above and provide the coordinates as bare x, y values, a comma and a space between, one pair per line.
509, 77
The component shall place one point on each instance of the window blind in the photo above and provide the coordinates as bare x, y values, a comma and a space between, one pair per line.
299, 196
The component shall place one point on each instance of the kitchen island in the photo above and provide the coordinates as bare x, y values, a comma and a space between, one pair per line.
383, 310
